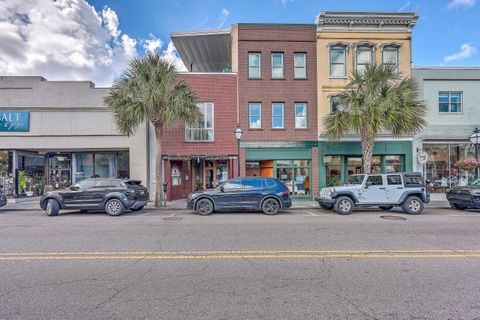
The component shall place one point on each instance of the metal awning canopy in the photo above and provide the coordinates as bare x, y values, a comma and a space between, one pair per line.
204, 50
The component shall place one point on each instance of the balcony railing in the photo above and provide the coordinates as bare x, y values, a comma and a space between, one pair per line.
199, 134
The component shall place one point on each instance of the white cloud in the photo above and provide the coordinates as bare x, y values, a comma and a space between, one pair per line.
170, 54
284, 3
466, 51
224, 15
405, 6
68, 40
461, 3
152, 44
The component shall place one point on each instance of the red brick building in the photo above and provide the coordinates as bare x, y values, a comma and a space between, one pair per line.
204, 155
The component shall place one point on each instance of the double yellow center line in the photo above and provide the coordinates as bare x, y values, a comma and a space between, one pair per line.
252, 254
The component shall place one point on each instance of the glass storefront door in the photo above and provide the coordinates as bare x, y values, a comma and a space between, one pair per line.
59, 171
295, 175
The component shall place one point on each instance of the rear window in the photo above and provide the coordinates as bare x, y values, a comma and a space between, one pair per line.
254, 184
413, 180
270, 183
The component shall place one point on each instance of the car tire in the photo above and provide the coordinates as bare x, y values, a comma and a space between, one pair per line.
52, 207
386, 208
457, 206
270, 206
114, 207
413, 205
343, 205
325, 207
137, 209
204, 207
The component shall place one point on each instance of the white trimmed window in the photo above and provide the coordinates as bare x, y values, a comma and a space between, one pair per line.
300, 115
450, 102
364, 58
277, 115
254, 65
277, 65
203, 130
300, 65
335, 104
338, 57
390, 57
254, 115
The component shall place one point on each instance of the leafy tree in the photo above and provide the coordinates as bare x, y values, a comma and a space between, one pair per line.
149, 91
377, 100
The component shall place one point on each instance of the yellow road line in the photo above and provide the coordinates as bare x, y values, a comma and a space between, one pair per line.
243, 256
237, 252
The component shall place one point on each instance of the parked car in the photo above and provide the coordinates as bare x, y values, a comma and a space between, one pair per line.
112, 195
268, 195
466, 197
406, 190
3, 199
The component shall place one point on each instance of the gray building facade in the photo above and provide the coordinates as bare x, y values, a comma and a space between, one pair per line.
452, 96
54, 133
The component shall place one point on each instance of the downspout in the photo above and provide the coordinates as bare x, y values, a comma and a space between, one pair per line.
148, 155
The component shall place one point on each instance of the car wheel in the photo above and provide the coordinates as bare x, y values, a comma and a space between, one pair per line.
271, 206
204, 207
413, 205
137, 209
343, 205
386, 208
114, 207
325, 207
52, 207
457, 206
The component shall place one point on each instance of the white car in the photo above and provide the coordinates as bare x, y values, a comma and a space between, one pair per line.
406, 190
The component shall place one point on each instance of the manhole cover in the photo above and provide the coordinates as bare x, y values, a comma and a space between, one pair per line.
172, 219
393, 218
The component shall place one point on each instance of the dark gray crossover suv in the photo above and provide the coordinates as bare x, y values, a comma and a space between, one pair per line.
268, 195
112, 195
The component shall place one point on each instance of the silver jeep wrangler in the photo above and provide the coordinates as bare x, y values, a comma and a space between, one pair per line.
406, 190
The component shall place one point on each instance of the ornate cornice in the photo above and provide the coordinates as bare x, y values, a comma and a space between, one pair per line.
342, 20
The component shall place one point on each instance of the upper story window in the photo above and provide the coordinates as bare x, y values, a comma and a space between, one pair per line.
254, 115
277, 115
390, 56
335, 104
300, 115
203, 130
277, 65
300, 65
450, 101
364, 57
254, 65
338, 57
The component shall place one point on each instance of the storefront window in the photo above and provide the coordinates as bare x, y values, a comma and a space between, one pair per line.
295, 175
221, 171
376, 164
123, 165
31, 175
334, 168
83, 166
354, 165
197, 174
59, 171
441, 168
393, 164
105, 165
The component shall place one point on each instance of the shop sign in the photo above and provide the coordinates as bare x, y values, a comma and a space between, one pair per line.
422, 157
14, 121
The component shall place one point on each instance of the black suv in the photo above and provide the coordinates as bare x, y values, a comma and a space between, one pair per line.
112, 195
269, 195
465, 197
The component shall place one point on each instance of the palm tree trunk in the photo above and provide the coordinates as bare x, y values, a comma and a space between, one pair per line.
158, 168
368, 140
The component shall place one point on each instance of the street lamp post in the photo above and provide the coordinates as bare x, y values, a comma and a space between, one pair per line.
475, 139
238, 135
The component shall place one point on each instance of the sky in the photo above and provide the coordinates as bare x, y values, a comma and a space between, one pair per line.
95, 39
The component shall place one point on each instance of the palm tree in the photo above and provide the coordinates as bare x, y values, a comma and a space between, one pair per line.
377, 100
148, 91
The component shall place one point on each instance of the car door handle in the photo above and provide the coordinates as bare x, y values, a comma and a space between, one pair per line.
381, 188
399, 187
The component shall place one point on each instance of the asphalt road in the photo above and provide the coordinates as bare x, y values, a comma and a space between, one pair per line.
303, 264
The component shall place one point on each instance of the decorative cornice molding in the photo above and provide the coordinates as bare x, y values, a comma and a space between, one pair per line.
385, 21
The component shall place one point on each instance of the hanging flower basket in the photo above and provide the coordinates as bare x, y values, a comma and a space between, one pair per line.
468, 164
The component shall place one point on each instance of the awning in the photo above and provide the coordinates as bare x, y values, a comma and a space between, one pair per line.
204, 50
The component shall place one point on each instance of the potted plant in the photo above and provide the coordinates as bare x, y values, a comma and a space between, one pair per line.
22, 182
468, 164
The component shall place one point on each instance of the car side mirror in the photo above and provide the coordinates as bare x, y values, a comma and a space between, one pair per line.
222, 189
368, 184
428, 181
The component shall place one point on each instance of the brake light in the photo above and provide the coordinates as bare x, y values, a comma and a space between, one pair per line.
287, 192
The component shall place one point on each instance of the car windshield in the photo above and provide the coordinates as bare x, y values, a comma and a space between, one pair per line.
355, 179
475, 183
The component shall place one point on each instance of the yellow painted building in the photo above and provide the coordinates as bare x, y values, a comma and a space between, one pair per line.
351, 40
